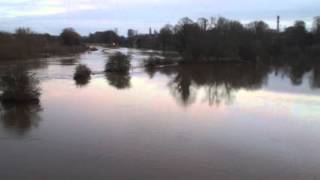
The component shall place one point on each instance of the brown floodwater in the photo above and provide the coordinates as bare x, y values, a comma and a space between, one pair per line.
221, 121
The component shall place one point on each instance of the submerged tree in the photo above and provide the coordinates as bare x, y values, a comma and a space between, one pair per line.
18, 85
154, 61
118, 62
117, 70
82, 75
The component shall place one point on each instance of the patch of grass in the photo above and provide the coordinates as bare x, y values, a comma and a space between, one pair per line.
18, 85
118, 62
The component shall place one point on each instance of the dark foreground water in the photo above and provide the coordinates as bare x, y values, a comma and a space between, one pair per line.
221, 121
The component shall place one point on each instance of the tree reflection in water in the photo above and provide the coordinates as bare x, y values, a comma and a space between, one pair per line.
215, 95
182, 89
297, 73
315, 78
219, 81
20, 118
82, 82
119, 80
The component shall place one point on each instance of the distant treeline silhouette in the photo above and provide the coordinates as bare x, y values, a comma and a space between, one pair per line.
25, 43
106, 37
224, 39
216, 40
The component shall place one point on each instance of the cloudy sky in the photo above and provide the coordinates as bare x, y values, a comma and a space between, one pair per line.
93, 15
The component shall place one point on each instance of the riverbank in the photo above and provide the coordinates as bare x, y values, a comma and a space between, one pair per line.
17, 51
25, 44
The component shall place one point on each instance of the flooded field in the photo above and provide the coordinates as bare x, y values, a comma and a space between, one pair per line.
218, 121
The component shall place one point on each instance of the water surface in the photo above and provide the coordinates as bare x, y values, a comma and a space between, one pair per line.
219, 121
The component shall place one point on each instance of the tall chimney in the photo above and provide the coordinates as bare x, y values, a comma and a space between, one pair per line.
278, 23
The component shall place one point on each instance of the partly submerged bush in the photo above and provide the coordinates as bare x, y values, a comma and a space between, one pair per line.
154, 61
93, 49
118, 62
82, 74
18, 85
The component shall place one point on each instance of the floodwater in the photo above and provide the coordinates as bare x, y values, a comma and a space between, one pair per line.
220, 121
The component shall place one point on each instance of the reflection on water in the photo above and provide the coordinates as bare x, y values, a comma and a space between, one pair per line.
82, 82
118, 80
297, 73
20, 118
219, 81
315, 78
117, 70
213, 121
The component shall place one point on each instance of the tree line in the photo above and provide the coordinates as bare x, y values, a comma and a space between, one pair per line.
216, 40
224, 39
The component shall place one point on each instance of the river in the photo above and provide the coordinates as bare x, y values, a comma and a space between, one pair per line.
219, 121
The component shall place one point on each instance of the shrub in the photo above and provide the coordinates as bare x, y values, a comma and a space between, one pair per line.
19, 86
153, 61
118, 62
82, 74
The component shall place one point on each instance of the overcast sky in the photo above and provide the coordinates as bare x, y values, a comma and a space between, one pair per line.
96, 15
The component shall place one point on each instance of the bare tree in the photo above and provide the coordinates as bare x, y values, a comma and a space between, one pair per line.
203, 23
